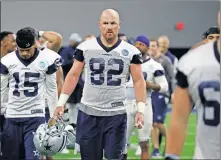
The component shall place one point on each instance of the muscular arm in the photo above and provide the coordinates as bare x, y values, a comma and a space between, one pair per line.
72, 77
59, 80
181, 110
139, 82
54, 40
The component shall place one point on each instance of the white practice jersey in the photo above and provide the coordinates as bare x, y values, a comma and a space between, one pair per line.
4, 101
153, 72
30, 81
106, 71
199, 71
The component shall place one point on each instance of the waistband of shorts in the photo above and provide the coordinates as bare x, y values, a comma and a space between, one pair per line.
95, 112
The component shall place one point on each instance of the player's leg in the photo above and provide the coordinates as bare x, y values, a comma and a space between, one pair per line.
89, 136
155, 130
72, 112
160, 139
145, 132
115, 136
2, 122
131, 112
161, 125
31, 125
12, 140
158, 120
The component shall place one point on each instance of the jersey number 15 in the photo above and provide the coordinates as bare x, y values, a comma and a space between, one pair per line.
27, 83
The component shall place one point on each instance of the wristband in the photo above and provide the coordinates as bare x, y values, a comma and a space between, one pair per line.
171, 157
141, 107
41, 33
62, 99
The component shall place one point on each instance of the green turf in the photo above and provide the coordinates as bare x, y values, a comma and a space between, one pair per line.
187, 152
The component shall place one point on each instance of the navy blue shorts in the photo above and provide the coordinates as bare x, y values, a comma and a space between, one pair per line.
2, 121
159, 107
17, 137
95, 134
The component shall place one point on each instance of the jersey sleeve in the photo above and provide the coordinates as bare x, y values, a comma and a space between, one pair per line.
4, 79
51, 92
182, 69
160, 78
79, 53
136, 57
55, 61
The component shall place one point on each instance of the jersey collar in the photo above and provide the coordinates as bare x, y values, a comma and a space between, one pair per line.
26, 62
108, 49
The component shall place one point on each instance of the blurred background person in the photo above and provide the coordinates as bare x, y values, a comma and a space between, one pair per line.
158, 99
122, 36
89, 36
164, 44
212, 34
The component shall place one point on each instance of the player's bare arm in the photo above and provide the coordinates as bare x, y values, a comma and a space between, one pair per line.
153, 86
59, 80
181, 110
140, 92
70, 83
54, 39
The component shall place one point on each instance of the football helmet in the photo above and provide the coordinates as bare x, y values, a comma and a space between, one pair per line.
50, 140
71, 136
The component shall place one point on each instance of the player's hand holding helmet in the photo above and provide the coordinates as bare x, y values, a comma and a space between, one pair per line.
50, 138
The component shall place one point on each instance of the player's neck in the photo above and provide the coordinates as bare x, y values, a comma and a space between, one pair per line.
218, 45
108, 43
144, 56
3, 52
157, 55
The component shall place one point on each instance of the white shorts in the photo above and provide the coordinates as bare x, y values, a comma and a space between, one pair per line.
145, 132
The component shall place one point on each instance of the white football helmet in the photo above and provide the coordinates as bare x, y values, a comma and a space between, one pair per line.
50, 140
71, 137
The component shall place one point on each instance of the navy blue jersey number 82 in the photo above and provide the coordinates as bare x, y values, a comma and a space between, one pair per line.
27, 83
97, 67
210, 103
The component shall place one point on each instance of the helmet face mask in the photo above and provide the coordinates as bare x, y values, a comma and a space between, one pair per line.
50, 140
71, 137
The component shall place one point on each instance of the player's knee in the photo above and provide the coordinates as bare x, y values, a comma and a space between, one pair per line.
155, 125
161, 125
144, 146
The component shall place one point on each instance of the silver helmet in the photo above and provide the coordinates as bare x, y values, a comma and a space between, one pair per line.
50, 140
71, 136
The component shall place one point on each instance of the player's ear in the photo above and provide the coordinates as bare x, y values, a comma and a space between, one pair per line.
119, 24
2, 43
35, 45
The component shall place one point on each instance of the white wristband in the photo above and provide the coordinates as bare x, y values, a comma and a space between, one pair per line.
62, 99
141, 107
41, 33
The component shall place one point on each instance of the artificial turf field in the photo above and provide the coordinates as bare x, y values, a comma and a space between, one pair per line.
187, 152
